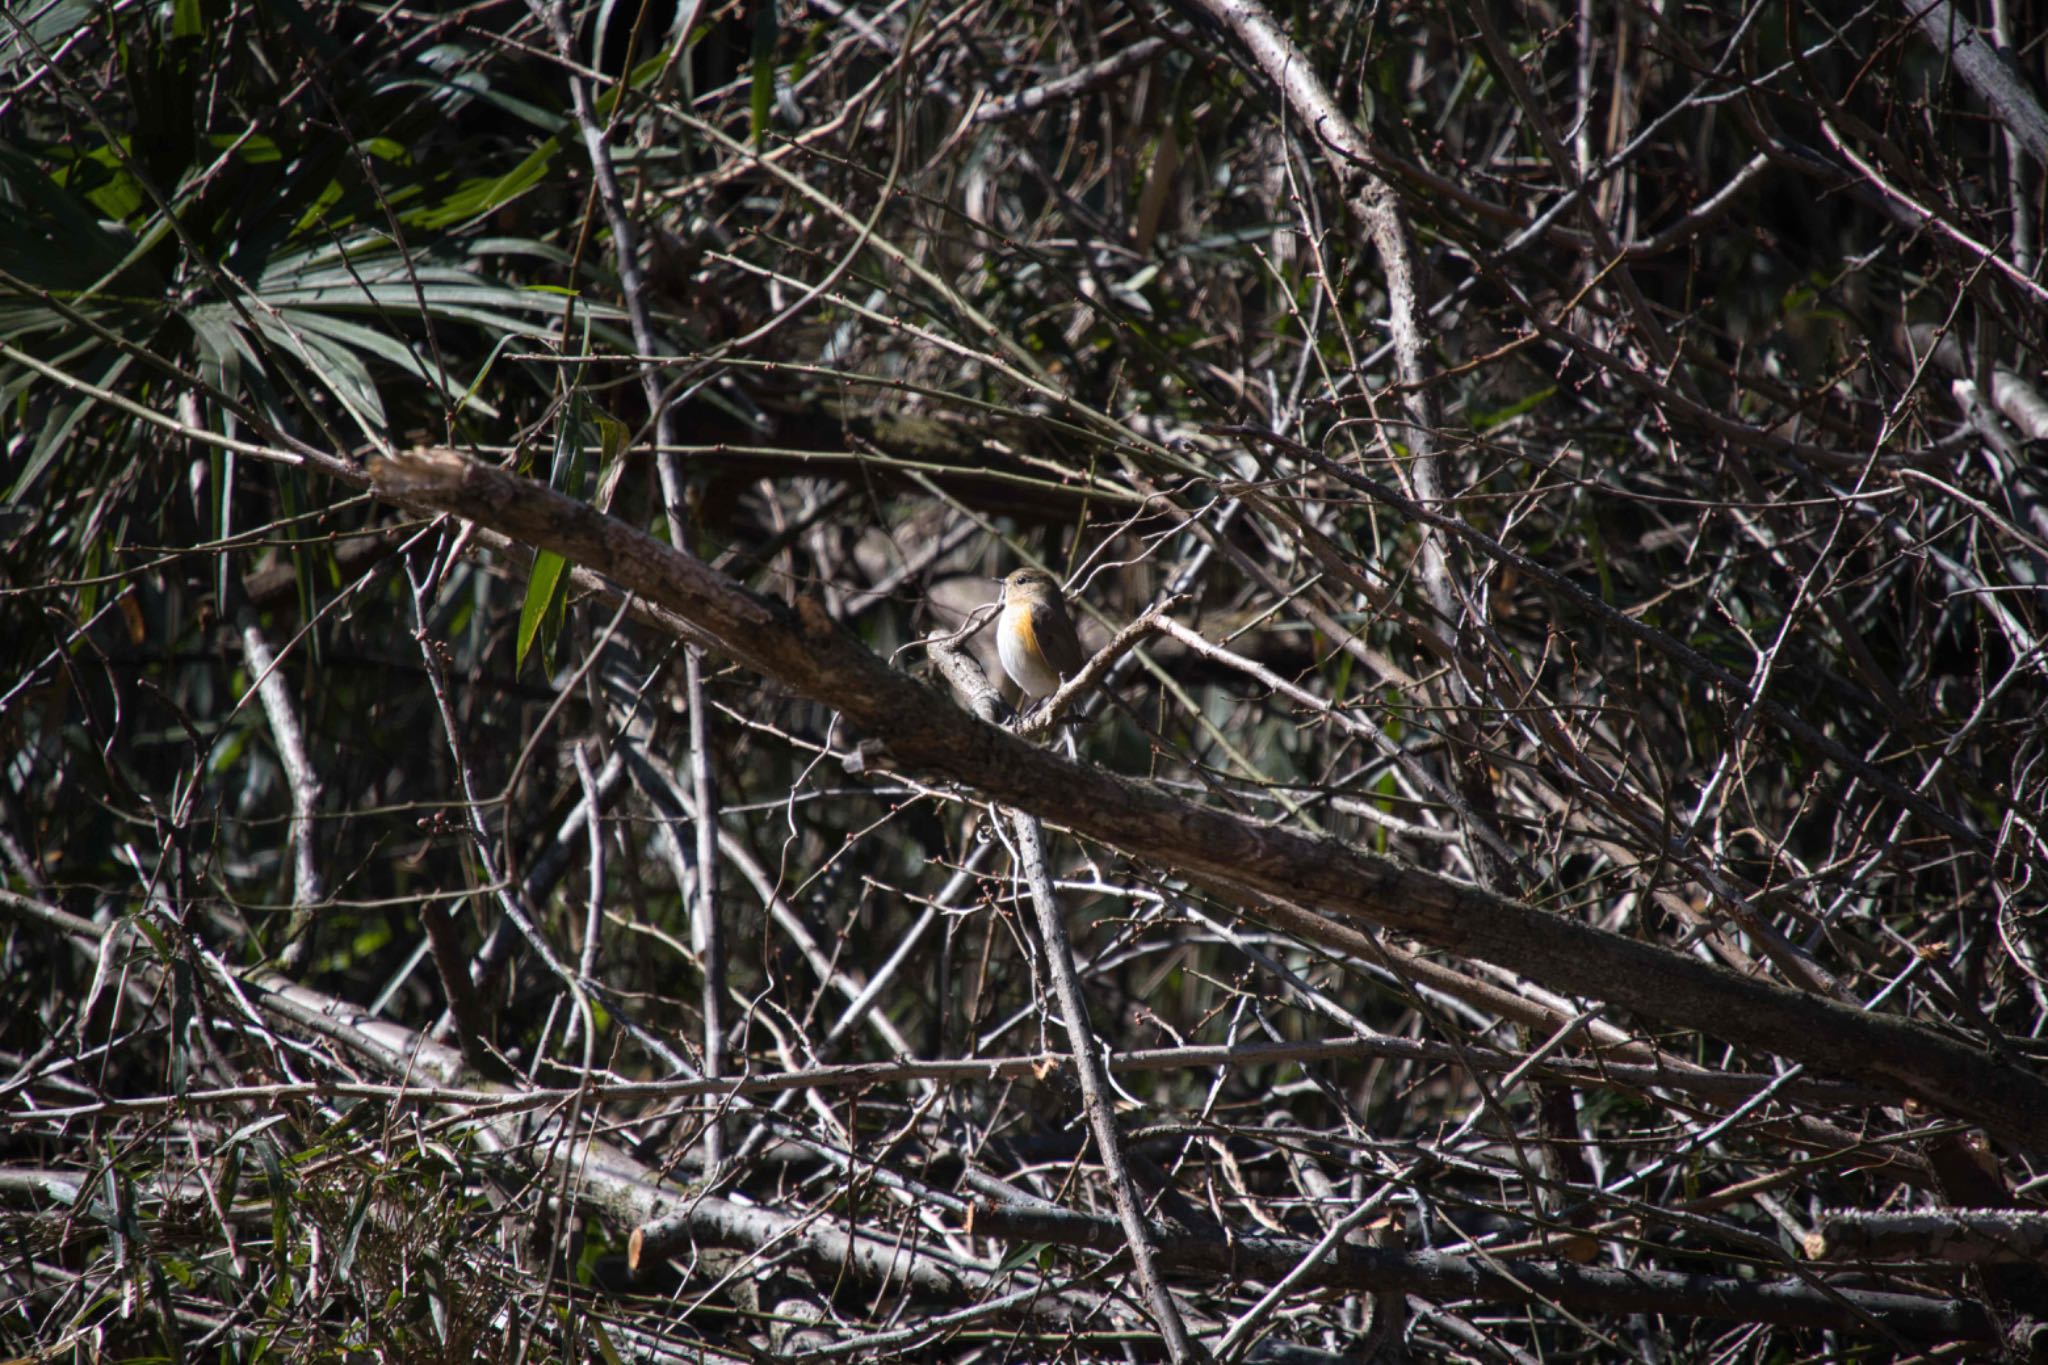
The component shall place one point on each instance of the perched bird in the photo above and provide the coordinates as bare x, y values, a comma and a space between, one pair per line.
1035, 637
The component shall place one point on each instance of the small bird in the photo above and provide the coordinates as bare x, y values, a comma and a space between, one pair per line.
1035, 637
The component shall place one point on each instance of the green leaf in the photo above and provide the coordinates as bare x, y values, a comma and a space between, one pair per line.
544, 582
346, 1259
34, 30
764, 70
1493, 417
338, 369
253, 149
642, 72
1027, 1254
183, 989
186, 20
475, 198
56, 431
613, 437
280, 1205
50, 235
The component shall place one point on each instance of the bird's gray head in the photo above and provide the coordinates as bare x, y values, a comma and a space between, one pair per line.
1025, 584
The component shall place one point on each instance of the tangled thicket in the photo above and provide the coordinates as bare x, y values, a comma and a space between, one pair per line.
1558, 872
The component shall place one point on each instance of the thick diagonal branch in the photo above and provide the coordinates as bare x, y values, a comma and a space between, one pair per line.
922, 732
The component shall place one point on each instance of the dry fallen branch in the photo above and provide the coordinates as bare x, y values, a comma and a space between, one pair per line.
1965, 1236
1258, 1257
